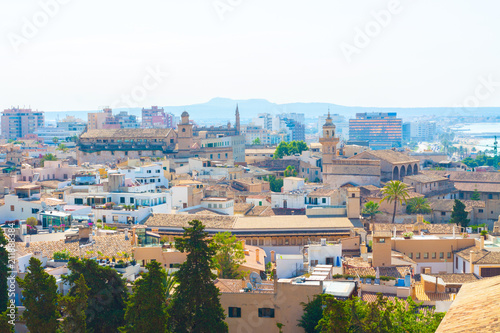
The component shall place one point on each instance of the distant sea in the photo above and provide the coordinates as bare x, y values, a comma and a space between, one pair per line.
479, 131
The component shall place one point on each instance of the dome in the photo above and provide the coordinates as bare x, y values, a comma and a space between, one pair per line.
185, 114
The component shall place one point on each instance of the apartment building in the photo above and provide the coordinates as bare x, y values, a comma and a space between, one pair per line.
17, 123
156, 117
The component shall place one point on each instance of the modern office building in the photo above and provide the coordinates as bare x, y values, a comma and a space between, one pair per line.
382, 129
17, 123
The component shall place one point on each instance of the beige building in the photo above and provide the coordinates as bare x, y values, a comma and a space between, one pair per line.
253, 155
117, 145
260, 311
393, 165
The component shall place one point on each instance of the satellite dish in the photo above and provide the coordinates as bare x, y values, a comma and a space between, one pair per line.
255, 278
249, 286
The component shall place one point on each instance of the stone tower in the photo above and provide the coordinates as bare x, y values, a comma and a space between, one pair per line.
184, 135
237, 113
328, 142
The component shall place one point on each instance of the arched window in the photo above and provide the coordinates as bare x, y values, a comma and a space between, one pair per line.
183, 130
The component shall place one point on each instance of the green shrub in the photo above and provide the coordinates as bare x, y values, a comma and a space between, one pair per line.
61, 255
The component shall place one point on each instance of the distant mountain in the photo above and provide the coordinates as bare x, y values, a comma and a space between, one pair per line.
222, 109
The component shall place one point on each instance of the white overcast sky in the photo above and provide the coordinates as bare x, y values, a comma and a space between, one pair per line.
90, 53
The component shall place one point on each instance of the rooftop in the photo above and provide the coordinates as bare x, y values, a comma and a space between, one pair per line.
481, 257
126, 132
424, 178
390, 156
475, 308
455, 278
446, 205
108, 245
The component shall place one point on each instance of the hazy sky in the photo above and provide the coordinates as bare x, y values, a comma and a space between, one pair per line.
86, 54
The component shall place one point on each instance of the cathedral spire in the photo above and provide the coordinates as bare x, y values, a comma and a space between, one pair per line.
237, 123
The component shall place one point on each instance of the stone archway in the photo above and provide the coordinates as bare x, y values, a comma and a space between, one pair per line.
415, 169
395, 173
402, 172
409, 170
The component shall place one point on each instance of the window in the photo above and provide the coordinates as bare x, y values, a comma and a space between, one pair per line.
78, 201
266, 313
441, 255
234, 312
12, 208
381, 240
463, 266
448, 255
131, 199
456, 262
490, 196
122, 199
417, 256
115, 218
480, 210
410, 255
426, 255
443, 213
34, 210
433, 255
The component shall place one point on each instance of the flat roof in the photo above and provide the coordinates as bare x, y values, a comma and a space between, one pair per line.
338, 289
291, 222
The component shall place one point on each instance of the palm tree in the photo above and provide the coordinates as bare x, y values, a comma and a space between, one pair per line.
418, 206
395, 191
371, 208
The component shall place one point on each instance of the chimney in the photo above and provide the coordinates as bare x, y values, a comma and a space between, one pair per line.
257, 255
471, 261
243, 283
273, 256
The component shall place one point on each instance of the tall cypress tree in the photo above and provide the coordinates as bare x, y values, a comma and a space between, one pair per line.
147, 306
196, 305
459, 215
106, 296
74, 308
40, 299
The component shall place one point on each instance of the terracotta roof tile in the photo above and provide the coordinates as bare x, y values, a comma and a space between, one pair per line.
475, 309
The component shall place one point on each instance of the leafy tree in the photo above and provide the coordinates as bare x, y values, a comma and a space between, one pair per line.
289, 148
418, 205
62, 147
313, 312
290, 171
32, 221
371, 208
476, 196
229, 255
147, 307
4, 272
256, 142
5, 326
40, 298
395, 191
274, 183
55, 140
47, 157
195, 306
383, 315
459, 215
74, 308
106, 297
